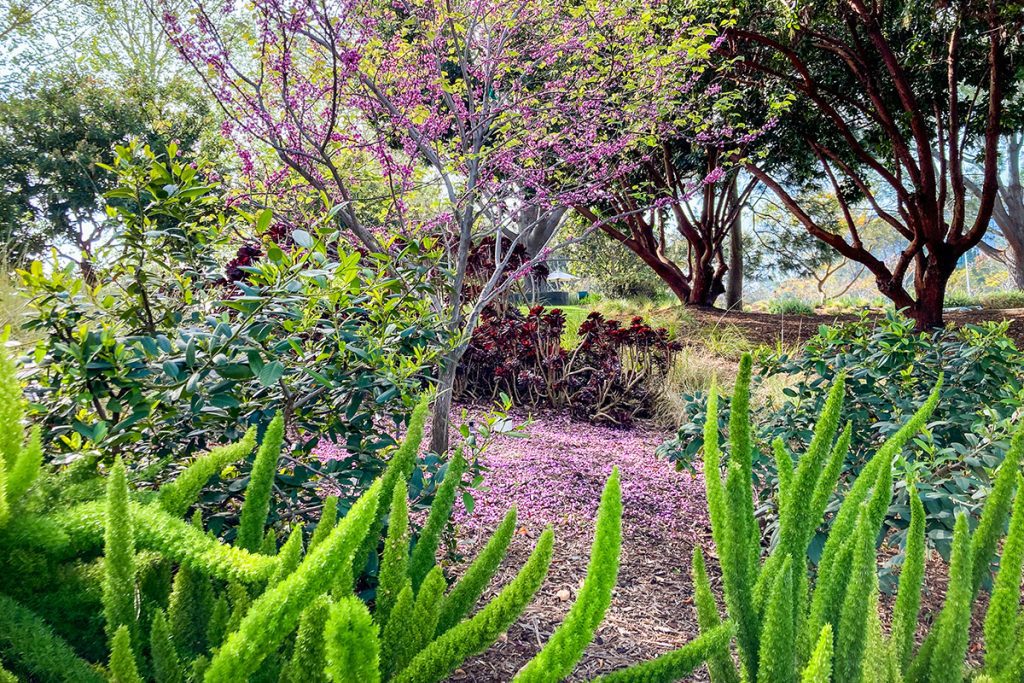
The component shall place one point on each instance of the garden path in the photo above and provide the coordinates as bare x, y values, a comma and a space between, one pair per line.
554, 476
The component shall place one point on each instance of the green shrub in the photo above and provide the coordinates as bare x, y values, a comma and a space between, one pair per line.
788, 306
889, 371
162, 355
790, 626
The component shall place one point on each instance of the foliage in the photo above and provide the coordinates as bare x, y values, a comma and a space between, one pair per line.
566, 645
612, 375
789, 306
890, 370
995, 300
225, 620
610, 268
56, 133
787, 623
166, 356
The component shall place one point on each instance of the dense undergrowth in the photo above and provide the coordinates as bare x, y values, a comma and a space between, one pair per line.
890, 371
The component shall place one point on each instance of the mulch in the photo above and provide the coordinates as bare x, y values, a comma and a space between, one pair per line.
652, 610
772, 328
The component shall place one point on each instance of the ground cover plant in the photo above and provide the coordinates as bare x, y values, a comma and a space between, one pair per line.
791, 624
890, 371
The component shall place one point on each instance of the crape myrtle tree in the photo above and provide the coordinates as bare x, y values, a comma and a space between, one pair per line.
504, 109
689, 196
889, 97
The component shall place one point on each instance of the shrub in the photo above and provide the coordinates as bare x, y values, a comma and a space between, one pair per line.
789, 306
215, 612
159, 355
789, 624
890, 370
612, 375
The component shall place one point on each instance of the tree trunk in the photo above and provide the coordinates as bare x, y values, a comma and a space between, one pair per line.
706, 287
441, 419
930, 292
734, 286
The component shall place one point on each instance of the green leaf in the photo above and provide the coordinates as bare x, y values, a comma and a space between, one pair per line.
270, 373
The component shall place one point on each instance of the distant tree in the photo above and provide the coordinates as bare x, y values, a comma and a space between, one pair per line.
609, 267
779, 246
887, 96
689, 198
1008, 210
53, 135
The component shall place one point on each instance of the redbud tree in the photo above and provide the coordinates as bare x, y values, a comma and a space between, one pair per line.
505, 112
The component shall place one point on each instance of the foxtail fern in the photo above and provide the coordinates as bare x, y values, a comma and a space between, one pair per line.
118, 556
558, 657
261, 481
122, 660
276, 613
176, 496
351, 646
423, 555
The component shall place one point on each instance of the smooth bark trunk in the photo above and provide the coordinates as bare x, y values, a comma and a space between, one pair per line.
441, 419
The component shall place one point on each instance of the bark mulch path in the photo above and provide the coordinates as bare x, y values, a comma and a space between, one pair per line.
555, 477
772, 328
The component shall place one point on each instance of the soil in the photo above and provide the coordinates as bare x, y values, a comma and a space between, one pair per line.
771, 328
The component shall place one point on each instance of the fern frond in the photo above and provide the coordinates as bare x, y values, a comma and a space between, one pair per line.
677, 664
275, 614
178, 495
559, 655
261, 481
28, 644
470, 637
394, 565
351, 646
467, 590
122, 660
1001, 619
118, 556
424, 554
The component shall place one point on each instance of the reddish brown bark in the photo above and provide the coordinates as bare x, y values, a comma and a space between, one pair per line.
921, 162
699, 281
